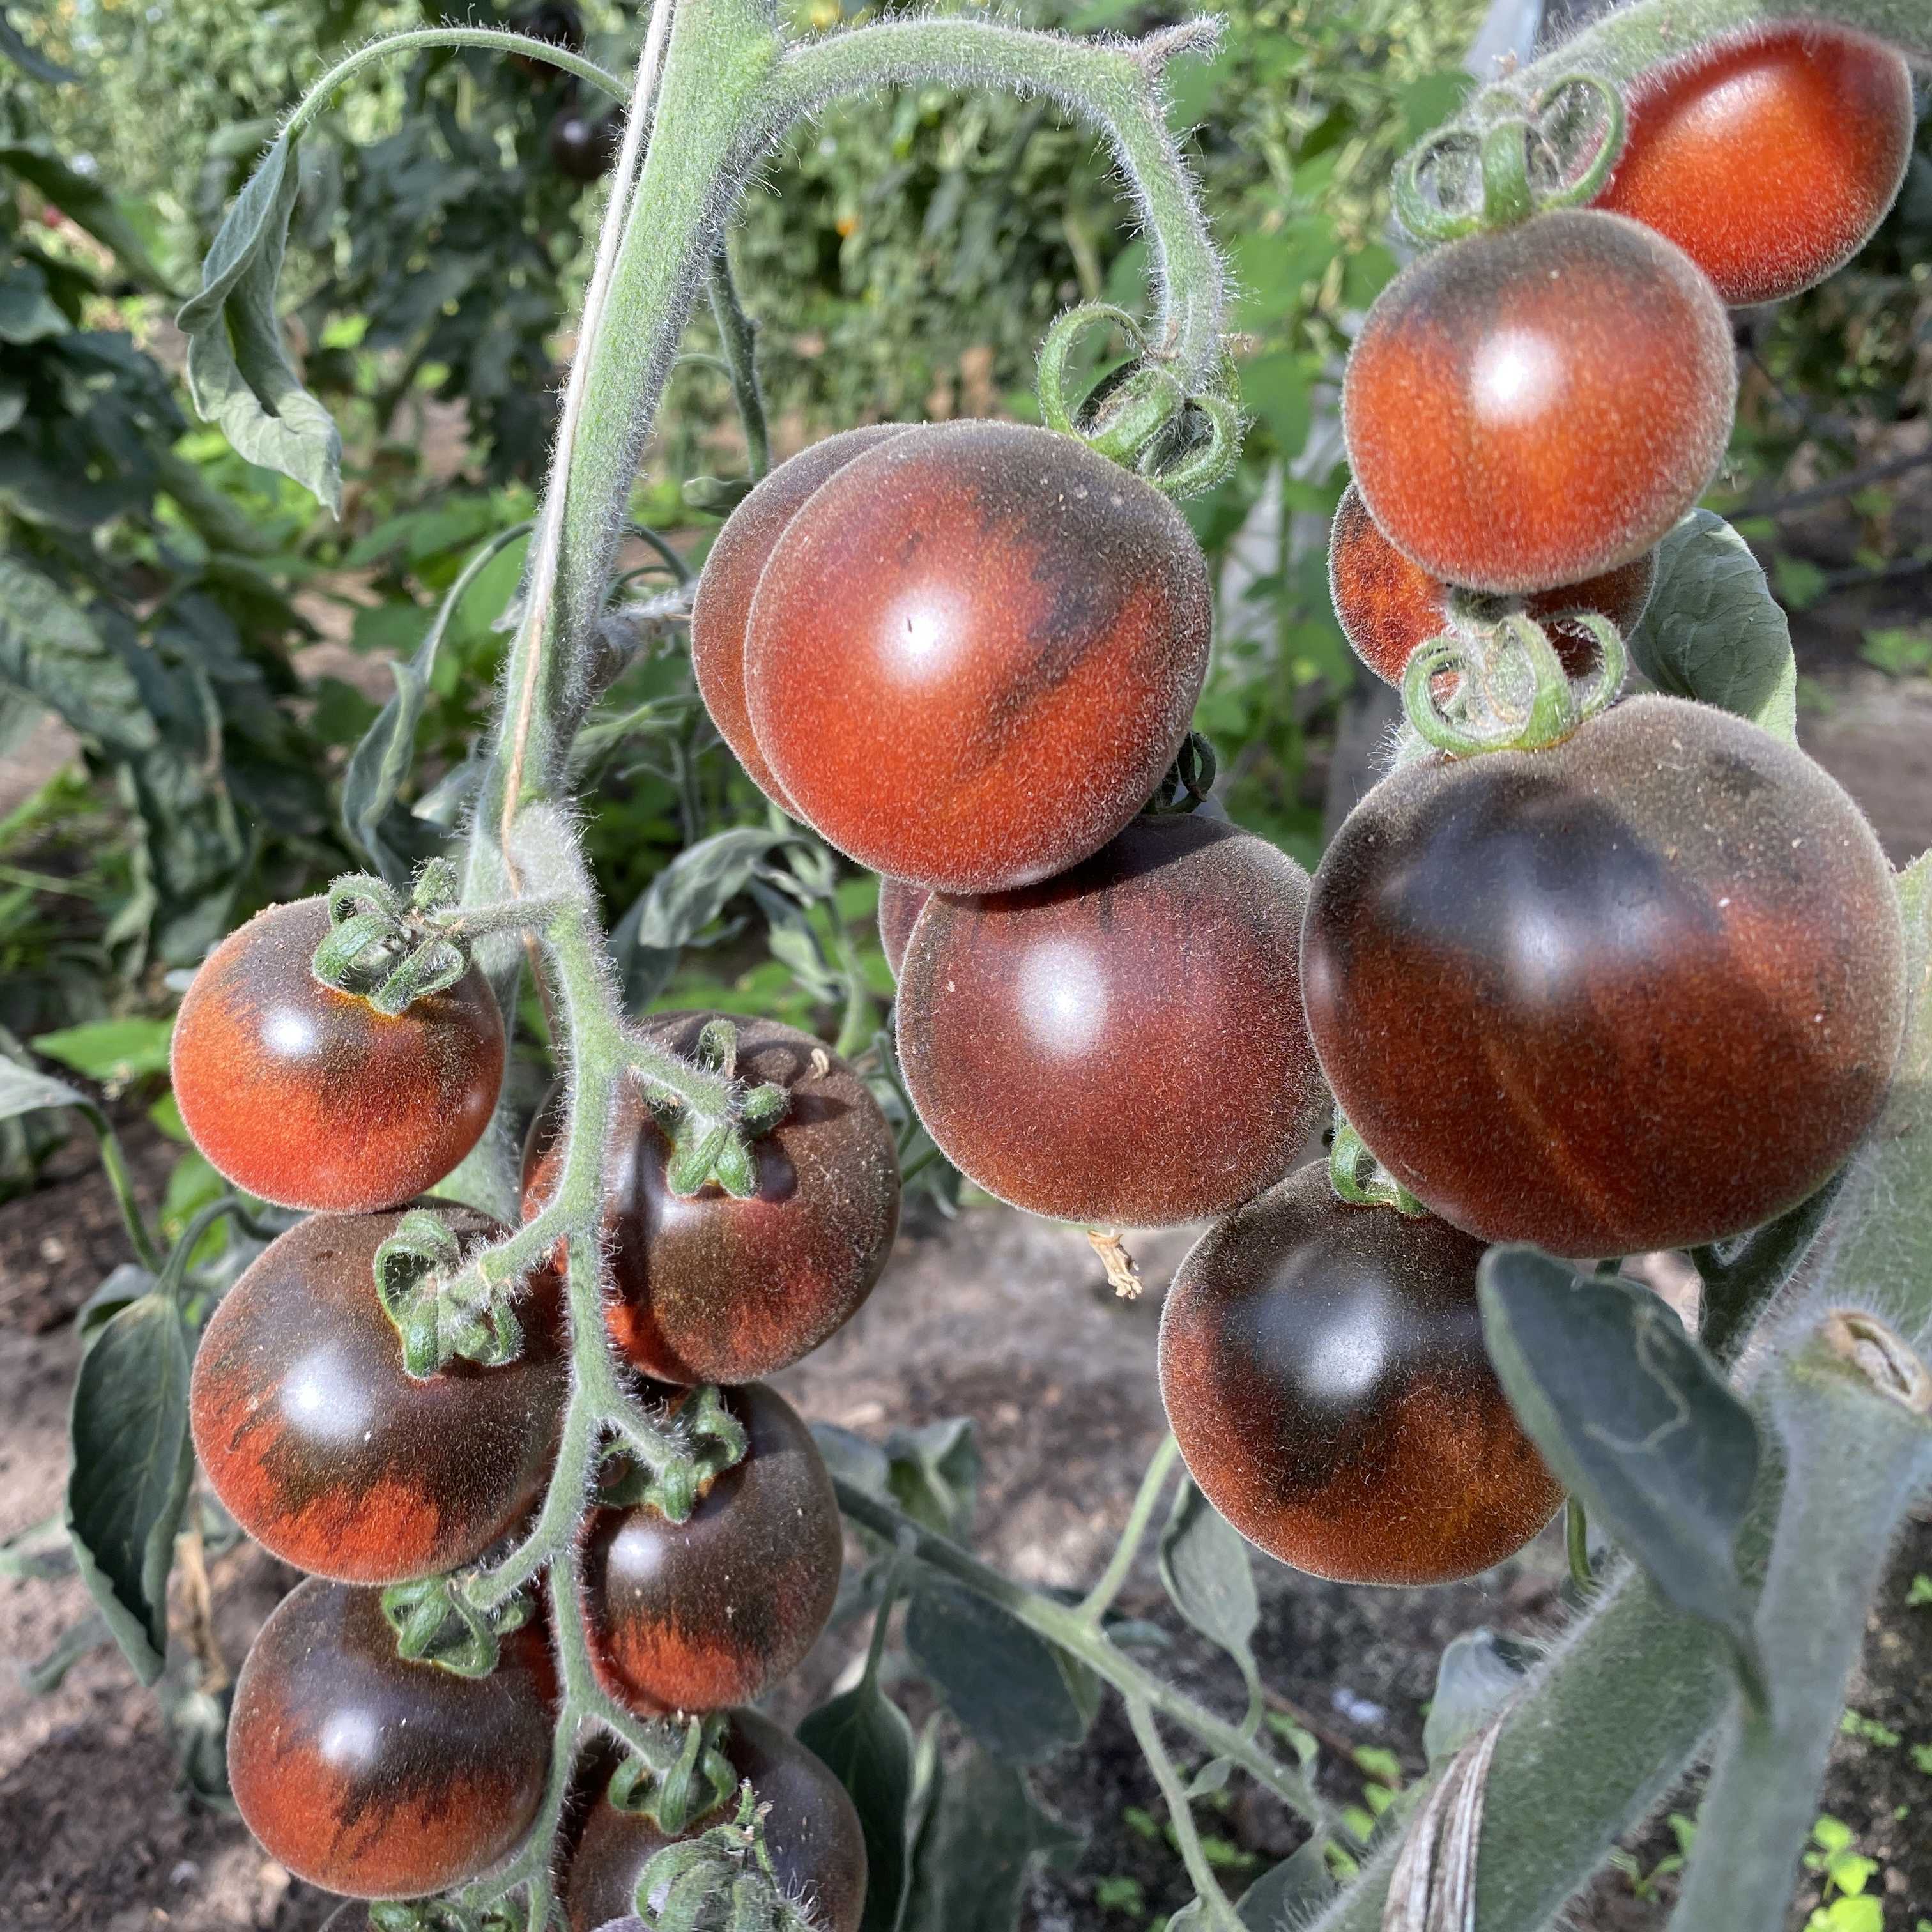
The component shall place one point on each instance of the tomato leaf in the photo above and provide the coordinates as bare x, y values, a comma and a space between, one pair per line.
239, 372
112, 1051
1472, 1682
1713, 632
24, 1089
131, 1465
1208, 1571
973, 1862
865, 1741
1012, 1690
933, 1474
90, 205
29, 60
1633, 1416
1288, 1894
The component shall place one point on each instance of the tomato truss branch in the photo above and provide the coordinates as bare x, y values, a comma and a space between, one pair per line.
1181, 1814
1068, 1629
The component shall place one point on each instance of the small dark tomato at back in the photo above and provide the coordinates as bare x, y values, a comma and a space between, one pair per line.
307, 1096
711, 1612
322, 1447
817, 1845
1324, 1371
374, 1777
1124, 1046
711, 1288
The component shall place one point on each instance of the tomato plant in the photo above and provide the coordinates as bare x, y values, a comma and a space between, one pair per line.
1324, 1371
1068, 1046
372, 1775
719, 1287
1769, 157
1611, 964
323, 1448
583, 147
308, 1096
1490, 403
812, 1833
974, 651
700, 1614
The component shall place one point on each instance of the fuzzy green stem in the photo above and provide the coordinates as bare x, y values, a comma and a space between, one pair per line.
1067, 1630
121, 1184
1100, 1599
738, 335
1200, 1873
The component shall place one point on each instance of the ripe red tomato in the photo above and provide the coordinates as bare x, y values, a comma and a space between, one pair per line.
309, 1097
1769, 158
1324, 1371
1124, 1044
1538, 405
817, 1845
1641, 990
372, 1776
712, 1611
899, 905
722, 607
714, 1289
1390, 607
322, 1448
974, 653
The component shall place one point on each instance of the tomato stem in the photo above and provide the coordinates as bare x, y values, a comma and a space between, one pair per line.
1100, 1599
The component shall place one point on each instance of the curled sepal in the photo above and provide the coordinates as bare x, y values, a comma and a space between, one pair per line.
385, 952
707, 1439
413, 1270
1189, 779
721, 1881
682, 1784
436, 1623
1501, 686
1358, 1177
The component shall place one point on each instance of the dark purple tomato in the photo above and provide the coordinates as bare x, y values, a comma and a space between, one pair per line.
374, 1777
816, 1845
583, 148
713, 1611
323, 1448
1536, 405
1124, 1044
1769, 158
899, 905
710, 1288
309, 1097
1639, 991
1324, 1371
974, 652
722, 607
1389, 608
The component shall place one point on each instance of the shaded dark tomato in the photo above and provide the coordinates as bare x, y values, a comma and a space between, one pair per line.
722, 607
899, 905
714, 1289
374, 1777
1639, 991
1769, 158
1389, 608
974, 652
818, 1847
1324, 1371
309, 1097
1536, 405
322, 1448
699, 1615
1124, 1044
582, 148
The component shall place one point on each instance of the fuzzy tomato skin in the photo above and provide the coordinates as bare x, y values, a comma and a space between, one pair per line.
1324, 1371
1536, 405
1389, 608
1124, 1044
817, 1844
974, 652
376, 1777
1769, 159
700, 1614
1642, 990
722, 607
713, 1289
307, 1096
899, 905
322, 1448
